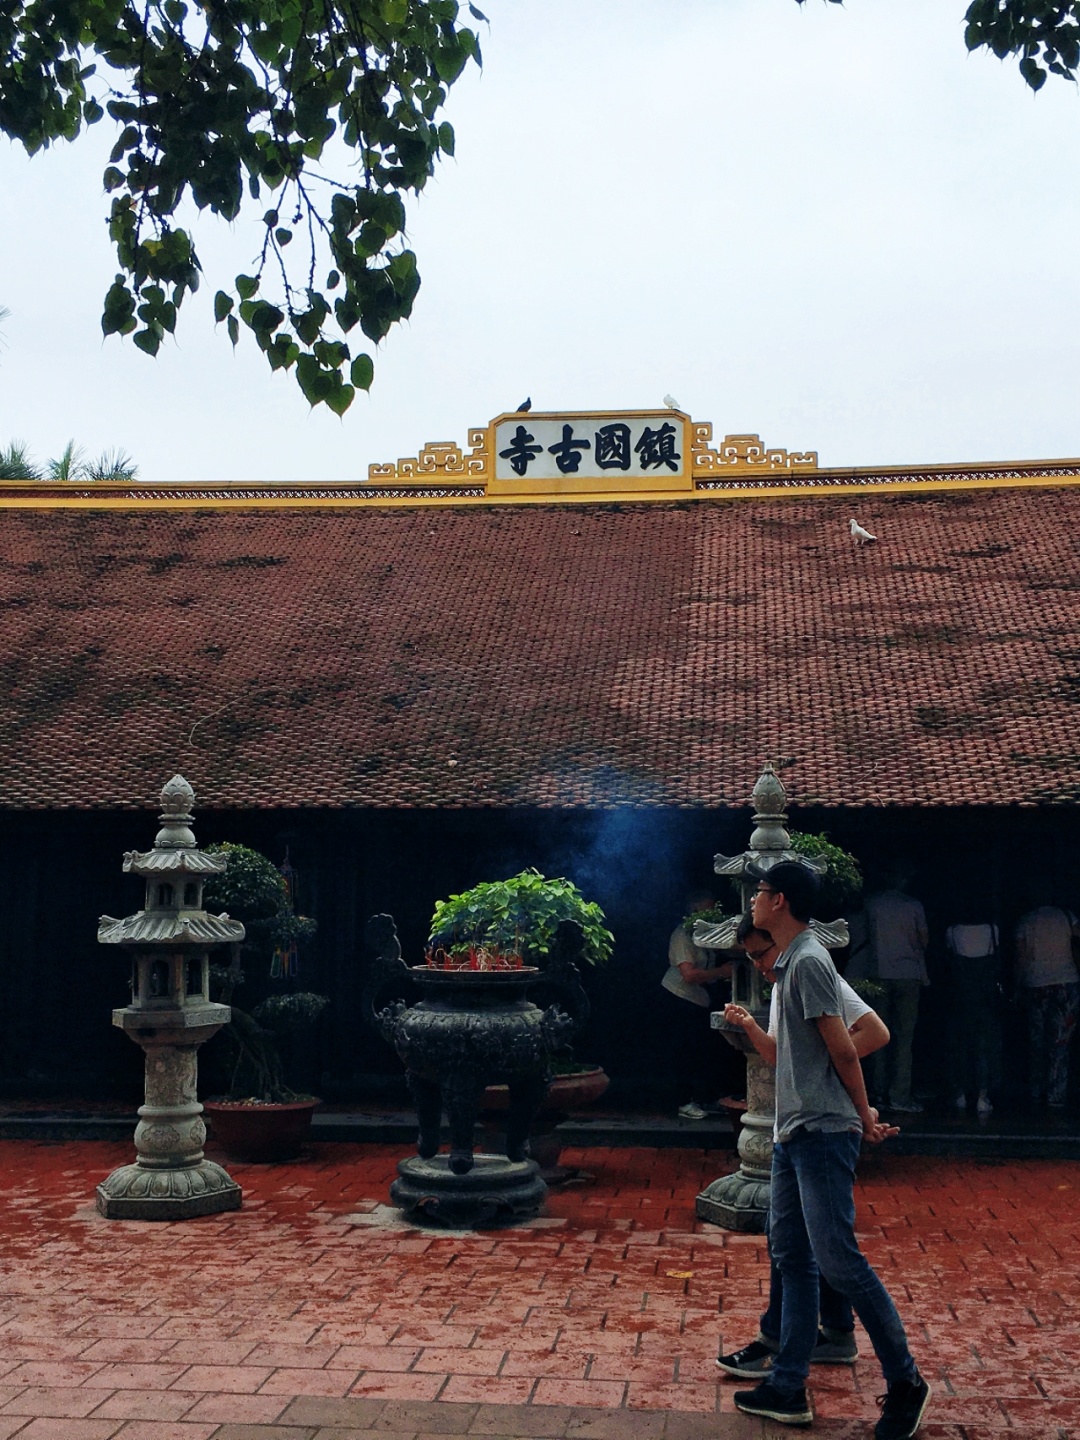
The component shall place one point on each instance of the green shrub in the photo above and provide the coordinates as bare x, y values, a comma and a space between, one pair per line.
520, 916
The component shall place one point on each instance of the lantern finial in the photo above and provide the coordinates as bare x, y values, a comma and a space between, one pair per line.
177, 803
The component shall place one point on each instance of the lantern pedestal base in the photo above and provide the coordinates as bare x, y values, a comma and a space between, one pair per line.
135, 1192
496, 1191
735, 1202
741, 1201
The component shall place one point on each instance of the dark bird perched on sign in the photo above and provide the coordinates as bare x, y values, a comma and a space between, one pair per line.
526, 404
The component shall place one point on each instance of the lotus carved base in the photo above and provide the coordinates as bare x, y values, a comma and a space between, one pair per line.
136, 1192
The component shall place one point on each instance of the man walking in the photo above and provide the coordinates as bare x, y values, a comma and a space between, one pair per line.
822, 1114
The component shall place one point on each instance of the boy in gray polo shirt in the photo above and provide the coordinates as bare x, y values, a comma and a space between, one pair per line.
822, 1115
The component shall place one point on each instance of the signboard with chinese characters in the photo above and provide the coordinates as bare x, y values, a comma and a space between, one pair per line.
528, 457
533, 449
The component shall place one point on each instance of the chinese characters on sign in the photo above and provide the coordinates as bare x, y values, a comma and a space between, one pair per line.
530, 447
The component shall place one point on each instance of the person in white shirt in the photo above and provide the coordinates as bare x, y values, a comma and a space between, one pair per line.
1050, 986
686, 1012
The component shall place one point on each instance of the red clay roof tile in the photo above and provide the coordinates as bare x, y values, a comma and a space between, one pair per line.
584, 656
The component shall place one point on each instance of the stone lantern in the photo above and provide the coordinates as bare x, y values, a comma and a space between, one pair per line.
741, 1201
170, 1016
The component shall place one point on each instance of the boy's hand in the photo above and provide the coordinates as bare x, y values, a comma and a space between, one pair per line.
874, 1132
736, 1015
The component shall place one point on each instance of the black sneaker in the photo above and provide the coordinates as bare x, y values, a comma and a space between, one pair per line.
768, 1402
752, 1362
836, 1348
901, 1409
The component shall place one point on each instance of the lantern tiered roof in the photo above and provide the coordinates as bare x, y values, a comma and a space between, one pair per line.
173, 913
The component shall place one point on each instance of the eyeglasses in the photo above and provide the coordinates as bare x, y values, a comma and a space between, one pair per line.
759, 954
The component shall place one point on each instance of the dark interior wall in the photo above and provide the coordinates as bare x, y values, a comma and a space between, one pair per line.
60, 872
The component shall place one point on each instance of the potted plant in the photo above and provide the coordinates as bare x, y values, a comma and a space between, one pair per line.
517, 921
519, 916
260, 1116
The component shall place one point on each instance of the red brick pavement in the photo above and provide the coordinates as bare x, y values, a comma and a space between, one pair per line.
315, 1311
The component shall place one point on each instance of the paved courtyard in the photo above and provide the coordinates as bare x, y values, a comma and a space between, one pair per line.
314, 1312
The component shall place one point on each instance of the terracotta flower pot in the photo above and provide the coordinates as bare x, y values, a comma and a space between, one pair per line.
565, 1094
261, 1133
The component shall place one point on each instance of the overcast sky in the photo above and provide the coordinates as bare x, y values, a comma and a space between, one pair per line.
829, 225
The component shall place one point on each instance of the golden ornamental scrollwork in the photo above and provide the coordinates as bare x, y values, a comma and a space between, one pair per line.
743, 452
441, 458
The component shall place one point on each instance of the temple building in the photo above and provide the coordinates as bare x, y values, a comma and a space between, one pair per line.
571, 644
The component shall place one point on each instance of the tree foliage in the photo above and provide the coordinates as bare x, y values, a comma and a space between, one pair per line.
16, 463
320, 114
1043, 34
253, 890
841, 881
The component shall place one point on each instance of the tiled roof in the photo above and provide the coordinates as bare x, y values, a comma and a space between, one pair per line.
650, 654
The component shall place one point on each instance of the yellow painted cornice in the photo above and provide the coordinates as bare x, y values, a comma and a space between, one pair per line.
624, 457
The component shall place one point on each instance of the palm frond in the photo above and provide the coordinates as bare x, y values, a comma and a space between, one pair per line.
16, 464
111, 465
69, 465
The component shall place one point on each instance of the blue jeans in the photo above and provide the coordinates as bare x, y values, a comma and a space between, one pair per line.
812, 1231
835, 1312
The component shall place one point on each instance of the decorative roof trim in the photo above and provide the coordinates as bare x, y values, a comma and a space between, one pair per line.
685, 465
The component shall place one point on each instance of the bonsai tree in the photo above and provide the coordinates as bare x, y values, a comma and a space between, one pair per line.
842, 882
517, 919
254, 891
841, 889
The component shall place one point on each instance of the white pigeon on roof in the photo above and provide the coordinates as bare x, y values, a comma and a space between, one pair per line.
671, 402
861, 536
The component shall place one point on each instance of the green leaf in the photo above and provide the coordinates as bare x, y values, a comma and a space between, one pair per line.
362, 372
148, 341
314, 381
118, 316
340, 398
233, 327
223, 304
395, 12
371, 239
246, 285
92, 112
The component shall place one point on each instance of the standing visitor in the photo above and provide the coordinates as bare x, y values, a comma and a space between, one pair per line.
1050, 986
974, 970
822, 1115
897, 936
687, 1004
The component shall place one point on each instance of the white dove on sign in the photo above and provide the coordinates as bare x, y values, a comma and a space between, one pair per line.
861, 536
671, 402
